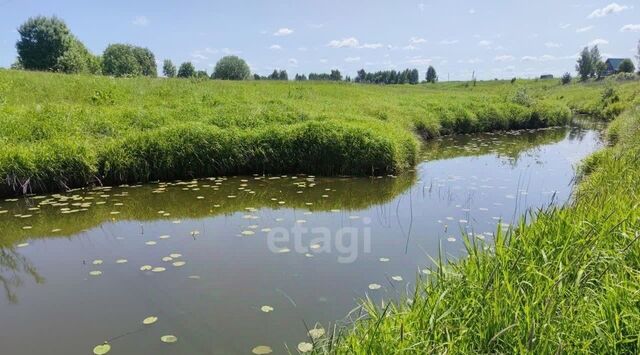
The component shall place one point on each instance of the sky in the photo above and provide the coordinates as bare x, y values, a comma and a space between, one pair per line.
493, 38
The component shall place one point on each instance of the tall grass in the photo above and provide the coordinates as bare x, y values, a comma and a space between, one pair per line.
63, 131
569, 282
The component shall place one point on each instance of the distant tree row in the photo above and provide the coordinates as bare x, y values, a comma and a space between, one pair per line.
275, 75
46, 43
590, 64
407, 76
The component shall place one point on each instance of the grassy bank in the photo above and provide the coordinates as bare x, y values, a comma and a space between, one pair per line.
63, 131
567, 283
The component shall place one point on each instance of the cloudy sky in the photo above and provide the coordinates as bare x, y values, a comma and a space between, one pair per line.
494, 38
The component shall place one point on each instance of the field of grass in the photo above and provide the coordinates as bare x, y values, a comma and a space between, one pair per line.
64, 131
567, 283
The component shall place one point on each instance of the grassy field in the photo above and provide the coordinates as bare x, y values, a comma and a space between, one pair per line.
567, 283
63, 131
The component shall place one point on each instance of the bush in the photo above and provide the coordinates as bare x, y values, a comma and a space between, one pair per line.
127, 60
231, 68
187, 70
626, 66
168, 69
521, 97
43, 40
566, 79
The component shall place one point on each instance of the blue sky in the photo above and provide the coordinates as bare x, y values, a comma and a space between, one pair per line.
500, 38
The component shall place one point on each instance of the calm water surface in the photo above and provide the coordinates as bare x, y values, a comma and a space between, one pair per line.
347, 238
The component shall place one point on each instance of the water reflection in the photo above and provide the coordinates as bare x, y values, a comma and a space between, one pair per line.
196, 254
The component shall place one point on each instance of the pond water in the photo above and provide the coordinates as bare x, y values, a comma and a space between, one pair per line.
242, 262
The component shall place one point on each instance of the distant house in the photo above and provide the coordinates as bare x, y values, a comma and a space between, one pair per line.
546, 76
613, 65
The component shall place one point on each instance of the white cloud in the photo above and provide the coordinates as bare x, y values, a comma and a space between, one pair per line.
474, 61
198, 55
564, 26
528, 58
503, 58
141, 21
293, 62
630, 28
552, 45
449, 41
352, 59
584, 29
607, 10
598, 41
350, 42
316, 25
484, 43
410, 47
472, 11
419, 60
275, 47
417, 40
323, 61
283, 32
542, 58
372, 45
547, 57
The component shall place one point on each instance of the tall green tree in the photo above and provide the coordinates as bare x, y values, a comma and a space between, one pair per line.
146, 60
596, 59
231, 68
120, 60
186, 70
585, 66
627, 66
432, 76
283, 75
168, 69
46, 43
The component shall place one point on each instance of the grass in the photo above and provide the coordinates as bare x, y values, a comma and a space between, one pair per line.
66, 131
569, 282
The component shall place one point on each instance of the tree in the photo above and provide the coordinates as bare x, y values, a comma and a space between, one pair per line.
77, 59
414, 76
274, 76
335, 75
432, 76
202, 74
599, 68
360, 78
146, 60
585, 65
231, 68
120, 60
566, 79
168, 69
300, 77
626, 66
186, 70
42, 41
282, 75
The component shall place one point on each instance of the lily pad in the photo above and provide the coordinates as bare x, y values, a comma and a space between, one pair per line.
121, 261
168, 339
150, 320
305, 347
179, 263
396, 278
316, 333
266, 309
262, 350
158, 269
146, 268
95, 273
374, 286
102, 349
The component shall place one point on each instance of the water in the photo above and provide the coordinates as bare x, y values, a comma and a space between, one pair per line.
381, 232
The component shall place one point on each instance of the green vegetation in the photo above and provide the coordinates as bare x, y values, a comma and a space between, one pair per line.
431, 77
231, 68
566, 283
65, 131
627, 66
186, 70
127, 60
168, 69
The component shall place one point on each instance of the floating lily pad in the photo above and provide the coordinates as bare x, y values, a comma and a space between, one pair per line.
97, 262
396, 278
150, 320
384, 260
374, 286
102, 349
168, 339
305, 347
121, 261
146, 268
179, 263
95, 273
167, 258
22, 245
158, 269
262, 350
316, 333
151, 242
266, 309
248, 232
175, 255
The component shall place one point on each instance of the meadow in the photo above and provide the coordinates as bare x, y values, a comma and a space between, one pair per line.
565, 280
66, 131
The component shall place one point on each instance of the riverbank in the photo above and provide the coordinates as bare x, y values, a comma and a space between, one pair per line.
569, 282
68, 131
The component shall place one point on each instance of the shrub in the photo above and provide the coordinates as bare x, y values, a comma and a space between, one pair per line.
566, 79
231, 68
187, 70
626, 66
127, 60
521, 97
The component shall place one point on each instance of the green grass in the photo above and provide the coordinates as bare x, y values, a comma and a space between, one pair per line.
569, 282
63, 131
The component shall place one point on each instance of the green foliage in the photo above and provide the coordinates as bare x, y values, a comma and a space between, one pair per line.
77, 59
376, 125
126, 60
231, 68
627, 66
431, 77
566, 79
43, 40
168, 69
585, 66
186, 70
563, 281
